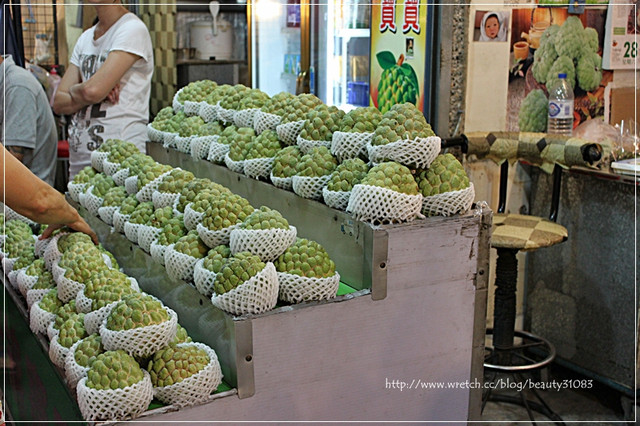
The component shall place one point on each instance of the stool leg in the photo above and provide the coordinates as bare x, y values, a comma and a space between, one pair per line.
504, 313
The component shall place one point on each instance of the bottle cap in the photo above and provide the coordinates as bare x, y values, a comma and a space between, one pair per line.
562, 75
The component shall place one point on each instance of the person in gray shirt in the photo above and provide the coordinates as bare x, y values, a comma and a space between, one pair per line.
27, 128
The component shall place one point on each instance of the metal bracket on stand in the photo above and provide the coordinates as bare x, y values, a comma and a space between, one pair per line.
244, 358
576, 7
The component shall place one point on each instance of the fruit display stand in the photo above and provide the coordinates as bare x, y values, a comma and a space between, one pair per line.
402, 341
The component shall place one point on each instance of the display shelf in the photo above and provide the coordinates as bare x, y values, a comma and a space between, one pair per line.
419, 316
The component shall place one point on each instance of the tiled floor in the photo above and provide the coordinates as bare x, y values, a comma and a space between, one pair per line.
600, 404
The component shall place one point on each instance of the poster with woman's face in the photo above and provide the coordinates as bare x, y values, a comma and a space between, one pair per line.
546, 42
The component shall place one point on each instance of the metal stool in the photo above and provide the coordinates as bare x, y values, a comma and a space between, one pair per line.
512, 233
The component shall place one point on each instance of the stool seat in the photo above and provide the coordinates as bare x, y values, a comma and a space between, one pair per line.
525, 232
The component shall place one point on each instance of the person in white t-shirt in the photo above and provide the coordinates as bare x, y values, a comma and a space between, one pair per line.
107, 84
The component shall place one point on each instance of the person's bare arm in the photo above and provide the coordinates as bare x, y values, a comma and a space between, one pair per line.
31, 197
74, 95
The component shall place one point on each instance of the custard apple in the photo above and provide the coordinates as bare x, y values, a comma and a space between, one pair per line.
72, 330
233, 101
129, 204
392, 176
241, 143
88, 350
533, 112
361, 120
175, 181
265, 145
237, 270
190, 126
398, 82
445, 174
50, 301
286, 161
306, 258
172, 231
173, 364
349, 173
216, 258
297, 109
114, 197
265, 218
192, 245
401, 122
318, 162
84, 175
142, 213
563, 64
226, 211
136, 310
276, 105
321, 122
197, 91
589, 71
255, 98
113, 370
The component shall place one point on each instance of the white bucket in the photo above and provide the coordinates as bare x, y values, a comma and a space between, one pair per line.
207, 45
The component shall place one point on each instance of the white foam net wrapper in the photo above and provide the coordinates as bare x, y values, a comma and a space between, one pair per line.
97, 158
26, 282
336, 199
68, 289
200, 146
256, 295
7, 264
113, 404
163, 199
449, 203
51, 253
258, 167
34, 296
382, 205
106, 214
280, 182
57, 271
196, 388
288, 132
191, 217
235, 166
215, 238
169, 140
296, 289
131, 184
208, 112
146, 192
91, 202
307, 145
191, 108
245, 117
309, 187
146, 235
72, 369
266, 243
120, 176
13, 277
345, 145
52, 331
183, 144
179, 265
141, 341
75, 189
39, 319
265, 121
203, 279
175, 104
110, 168
157, 252
226, 115
217, 151
119, 220
57, 352
94, 319
154, 135
418, 153
131, 231
83, 303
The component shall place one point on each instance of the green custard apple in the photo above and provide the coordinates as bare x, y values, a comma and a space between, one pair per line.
172, 231
173, 364
265, 218
197, 91
277, 104
233, 101
135, 311
241, 143
216, 258
286, 161
589, 71
114, 197
306, 258
237, 270
113, 370
361, 120
129, 204
88, 350
192, 245
226, 211
401, 122
318, 162
265, 145
142, 213
398, 82
392, 175
445, 174
84, 175
50, 301
72, 330
349, 173
533, 112
255, 98
321, 122
175, 181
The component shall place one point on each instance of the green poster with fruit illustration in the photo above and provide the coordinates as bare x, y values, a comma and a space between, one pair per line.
399, 53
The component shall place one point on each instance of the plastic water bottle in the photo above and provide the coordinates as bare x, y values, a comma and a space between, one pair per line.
560, 120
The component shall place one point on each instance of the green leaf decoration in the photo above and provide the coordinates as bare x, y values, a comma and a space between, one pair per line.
386, 59
410, 72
